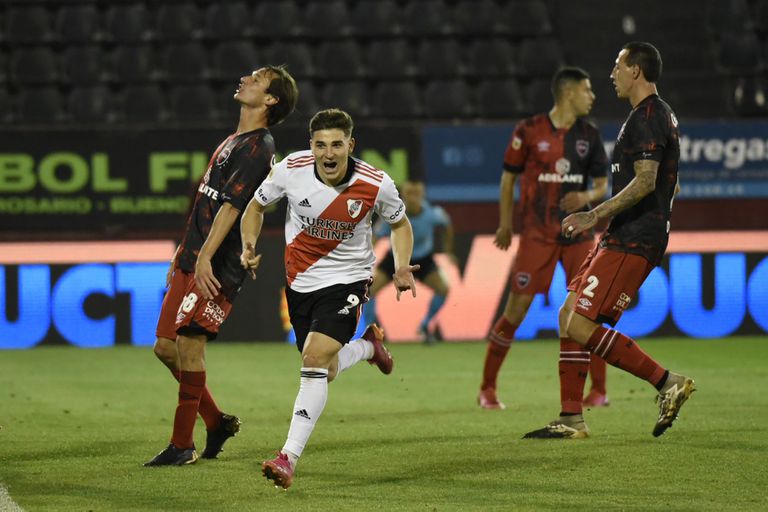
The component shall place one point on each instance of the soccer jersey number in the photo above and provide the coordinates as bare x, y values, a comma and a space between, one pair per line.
188, 303
593, 282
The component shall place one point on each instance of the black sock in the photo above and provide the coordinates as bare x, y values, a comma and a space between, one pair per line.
663, 381
570, 413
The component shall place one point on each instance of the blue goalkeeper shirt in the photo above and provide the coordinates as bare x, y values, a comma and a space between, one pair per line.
423, 226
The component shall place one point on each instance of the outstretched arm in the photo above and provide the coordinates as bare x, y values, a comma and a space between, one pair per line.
204, 278
641, 185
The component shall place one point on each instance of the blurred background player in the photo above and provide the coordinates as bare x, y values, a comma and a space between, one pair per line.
205, 274
555, 154
328, 260
645, 182
424, 217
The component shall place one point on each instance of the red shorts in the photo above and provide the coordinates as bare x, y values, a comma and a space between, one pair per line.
184, 310
535, 263
607, 283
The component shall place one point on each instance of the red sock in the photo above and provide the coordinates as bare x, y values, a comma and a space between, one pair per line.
623, 352
597, 368
208, 409
573, 366
499, 340
191, 385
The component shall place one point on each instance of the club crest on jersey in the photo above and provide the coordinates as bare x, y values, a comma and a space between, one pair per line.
523, 278
223, 155
562, 166
354, 207
582, 148
517, 142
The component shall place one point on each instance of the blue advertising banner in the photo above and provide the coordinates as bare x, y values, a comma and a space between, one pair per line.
717, 159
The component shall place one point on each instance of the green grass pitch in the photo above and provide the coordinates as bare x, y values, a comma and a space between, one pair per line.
78, 424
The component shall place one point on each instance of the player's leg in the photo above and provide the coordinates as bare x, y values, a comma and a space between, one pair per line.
531, 274
369, 347
573, 256
438, 283
166, 351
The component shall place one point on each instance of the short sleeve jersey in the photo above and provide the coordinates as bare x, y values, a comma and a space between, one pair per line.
550, 163
328, 232
236, 169
423, 225
650, 132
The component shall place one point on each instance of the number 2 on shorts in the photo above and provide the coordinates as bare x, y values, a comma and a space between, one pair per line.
593, 282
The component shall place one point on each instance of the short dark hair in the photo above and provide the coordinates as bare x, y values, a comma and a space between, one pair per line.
564, 76
647, 57
283, 87
329, 119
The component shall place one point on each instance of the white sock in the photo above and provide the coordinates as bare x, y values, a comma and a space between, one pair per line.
310, 402
354, 352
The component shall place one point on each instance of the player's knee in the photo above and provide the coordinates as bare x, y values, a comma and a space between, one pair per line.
313, 360
165, 351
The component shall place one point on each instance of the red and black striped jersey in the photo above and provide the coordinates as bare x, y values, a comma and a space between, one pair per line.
650, 132
235, 171
550, 163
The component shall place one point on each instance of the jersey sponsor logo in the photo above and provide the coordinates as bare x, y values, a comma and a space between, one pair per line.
543, 146
674, 119
223, 155
622, 302
398, 212
305, 203
262, 196
517, 143
562, 166
208, 191
560, 178
615, 168
582, 148
327, 229
522, 278
213, 312
354, 207
584, 303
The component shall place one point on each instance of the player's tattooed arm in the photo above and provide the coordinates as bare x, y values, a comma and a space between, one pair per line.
641, 185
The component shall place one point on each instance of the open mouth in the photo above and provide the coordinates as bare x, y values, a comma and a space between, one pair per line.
329, 165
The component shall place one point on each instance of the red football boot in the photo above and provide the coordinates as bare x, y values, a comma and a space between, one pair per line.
596, 399
487, 399
381, 356
279, 470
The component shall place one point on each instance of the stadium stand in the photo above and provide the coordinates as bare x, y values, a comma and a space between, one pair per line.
716, 52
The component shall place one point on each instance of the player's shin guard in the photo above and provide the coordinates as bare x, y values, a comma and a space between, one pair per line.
208, 409
191, 385
499, 340
573, 366
309, 404
623, 352
354, 352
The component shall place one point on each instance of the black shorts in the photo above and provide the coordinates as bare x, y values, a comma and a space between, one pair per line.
333, 311
427, 263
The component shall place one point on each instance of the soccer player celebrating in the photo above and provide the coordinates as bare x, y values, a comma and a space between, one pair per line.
554, 155
328, 262
205, 274
645, 181
424, 218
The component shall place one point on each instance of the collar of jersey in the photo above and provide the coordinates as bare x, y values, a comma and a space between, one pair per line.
345, 179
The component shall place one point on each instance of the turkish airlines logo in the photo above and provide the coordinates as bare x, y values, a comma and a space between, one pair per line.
354, 207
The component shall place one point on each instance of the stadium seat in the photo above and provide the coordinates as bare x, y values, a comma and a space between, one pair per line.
493, 58
540, 57
134, 64
235, 59
190, 103
375, 18
339, 59
447, 99
178, 21
3, 69
7, 106
441, 58
78, 23
28, 24
729, 16
128, 23
739, 52
427, 18
526, 18
40, 105
390, 59
277, 18
185, 62
309, 103
539, 95
761, 16
397, 100
748, 96
500, 99
228, 20
36, 65
90, 104
143, 104
350, 96
323, 16
478, 18
84, 65
295, 55
228, 110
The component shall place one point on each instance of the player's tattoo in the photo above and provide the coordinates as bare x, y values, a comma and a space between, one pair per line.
643, 183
